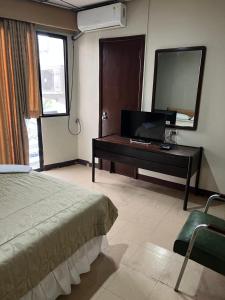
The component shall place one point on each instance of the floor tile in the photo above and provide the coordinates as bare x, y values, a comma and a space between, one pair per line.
129, 284
191, 278
121, 253
103, 294
164, 292
212, 286
149, 263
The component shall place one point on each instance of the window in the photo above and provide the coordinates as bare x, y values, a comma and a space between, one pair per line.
34, 150
53, 72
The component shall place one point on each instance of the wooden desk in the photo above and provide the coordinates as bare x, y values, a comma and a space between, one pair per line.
181, 161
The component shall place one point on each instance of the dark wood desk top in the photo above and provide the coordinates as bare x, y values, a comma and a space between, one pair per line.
177, 150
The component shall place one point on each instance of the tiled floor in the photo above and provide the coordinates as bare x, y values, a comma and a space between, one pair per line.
139, 263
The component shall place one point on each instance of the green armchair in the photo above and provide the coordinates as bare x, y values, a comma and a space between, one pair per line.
202, 239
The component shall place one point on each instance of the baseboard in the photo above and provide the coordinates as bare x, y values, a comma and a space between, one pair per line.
83, 162
173, 185
59, 165
169, 184
68, 163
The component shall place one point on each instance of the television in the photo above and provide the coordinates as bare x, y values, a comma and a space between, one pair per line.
143, 126
171, 116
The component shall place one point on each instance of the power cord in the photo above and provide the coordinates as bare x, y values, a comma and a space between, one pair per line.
74, 38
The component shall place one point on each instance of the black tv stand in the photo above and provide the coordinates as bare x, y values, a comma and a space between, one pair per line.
180, 161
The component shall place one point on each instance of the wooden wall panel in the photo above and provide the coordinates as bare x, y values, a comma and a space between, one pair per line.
41, 14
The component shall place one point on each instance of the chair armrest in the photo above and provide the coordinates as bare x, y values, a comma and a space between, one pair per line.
211, 199
216, 229
212, 228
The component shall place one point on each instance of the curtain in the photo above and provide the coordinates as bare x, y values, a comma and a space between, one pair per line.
19, 89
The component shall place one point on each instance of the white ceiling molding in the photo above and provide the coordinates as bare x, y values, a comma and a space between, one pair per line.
76, 4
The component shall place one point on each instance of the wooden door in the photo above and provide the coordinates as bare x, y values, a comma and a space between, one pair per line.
121, 78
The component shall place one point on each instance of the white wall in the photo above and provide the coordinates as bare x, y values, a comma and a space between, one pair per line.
180, 23
172, 23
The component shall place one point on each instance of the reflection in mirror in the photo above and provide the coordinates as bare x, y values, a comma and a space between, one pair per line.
177, 85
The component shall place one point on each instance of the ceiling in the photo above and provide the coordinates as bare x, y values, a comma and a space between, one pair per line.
75, 4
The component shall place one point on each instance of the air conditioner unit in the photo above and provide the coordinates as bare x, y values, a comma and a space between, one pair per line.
109, 16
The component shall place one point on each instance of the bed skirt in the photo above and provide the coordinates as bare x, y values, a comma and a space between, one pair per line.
59, 281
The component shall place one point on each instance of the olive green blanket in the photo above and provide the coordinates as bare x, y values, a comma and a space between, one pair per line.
43, 221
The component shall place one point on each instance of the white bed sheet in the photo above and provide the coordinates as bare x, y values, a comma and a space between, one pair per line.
68, 273
14, 169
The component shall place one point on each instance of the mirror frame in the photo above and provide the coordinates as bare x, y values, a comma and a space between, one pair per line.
200, 80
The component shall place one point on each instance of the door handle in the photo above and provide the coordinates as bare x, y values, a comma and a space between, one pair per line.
104, 115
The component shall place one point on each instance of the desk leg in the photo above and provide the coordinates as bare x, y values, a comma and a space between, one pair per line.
93, 170
187, 187
198, 172
112, 167
93, 162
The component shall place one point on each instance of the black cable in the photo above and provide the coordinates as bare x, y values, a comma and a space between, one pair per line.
71, 98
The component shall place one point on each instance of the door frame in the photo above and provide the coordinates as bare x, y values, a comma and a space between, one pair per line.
117, 39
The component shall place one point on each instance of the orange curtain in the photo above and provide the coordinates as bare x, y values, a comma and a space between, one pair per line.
19, 89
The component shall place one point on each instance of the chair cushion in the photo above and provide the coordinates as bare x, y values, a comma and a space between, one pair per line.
209, 247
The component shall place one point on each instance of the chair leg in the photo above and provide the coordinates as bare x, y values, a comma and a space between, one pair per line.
181, 273
188, 253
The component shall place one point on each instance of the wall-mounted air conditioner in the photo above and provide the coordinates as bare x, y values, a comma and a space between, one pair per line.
109, 16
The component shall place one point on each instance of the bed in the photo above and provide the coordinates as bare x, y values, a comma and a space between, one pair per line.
51, 231
184, 117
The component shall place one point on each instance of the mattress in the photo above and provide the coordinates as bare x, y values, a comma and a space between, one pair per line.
43, 222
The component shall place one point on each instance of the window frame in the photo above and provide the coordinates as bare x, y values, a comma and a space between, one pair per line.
65, 46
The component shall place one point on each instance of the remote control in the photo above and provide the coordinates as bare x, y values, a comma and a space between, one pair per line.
166, 146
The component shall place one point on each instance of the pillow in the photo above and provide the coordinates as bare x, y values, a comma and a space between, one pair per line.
182, 117
15, 169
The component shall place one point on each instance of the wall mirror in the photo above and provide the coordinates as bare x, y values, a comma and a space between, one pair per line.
177, 85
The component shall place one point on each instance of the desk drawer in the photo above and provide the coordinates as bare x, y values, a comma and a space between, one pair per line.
142, 164
141, 154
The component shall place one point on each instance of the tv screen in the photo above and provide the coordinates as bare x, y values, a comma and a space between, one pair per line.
171, 116
144, 126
